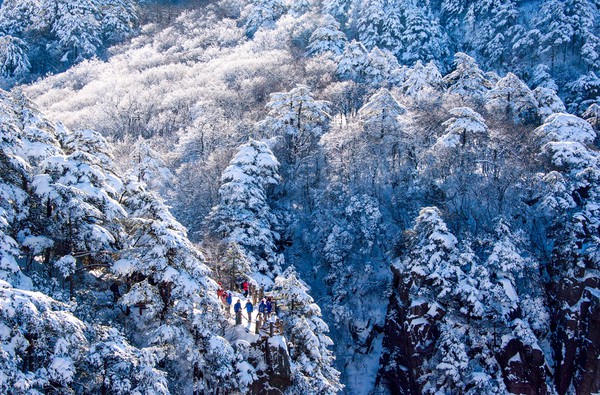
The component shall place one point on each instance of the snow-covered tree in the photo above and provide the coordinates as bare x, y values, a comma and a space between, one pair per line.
232, 265
300, 120
423, 82
243, 215
42, 342
262, 13
498, 29
353, 62
467, 80
541, 78
14, 61
380, 114
148, 166
312, 360
592, 115
370, 22
548, 102
392, 26
122, 368
382, 68
466, 129
422, 38
556, 29
582, 15
432, 261
168, 282
77, 29
510, 97
563, 139
80, 194
119, 18
327, 38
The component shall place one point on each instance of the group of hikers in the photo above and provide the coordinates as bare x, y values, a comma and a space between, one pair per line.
265, 307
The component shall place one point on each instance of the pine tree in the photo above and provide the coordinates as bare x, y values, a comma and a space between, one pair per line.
548, 102
308, 333
392, 27
380, 114
14, 178
148, 167
243, 215
370, 23
327, 38
262, 13
381, 68
79, 192
467, 80
14, 61
119, 18
122, 368
592, 115
582, 16
556, 29
353, 62
563, 139
77, 29
422, 82
168, 282
432, 259
422, 38
498, 30
510, 97
300, 120
466, 129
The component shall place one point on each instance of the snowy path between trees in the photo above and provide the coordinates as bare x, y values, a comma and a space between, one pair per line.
247, 329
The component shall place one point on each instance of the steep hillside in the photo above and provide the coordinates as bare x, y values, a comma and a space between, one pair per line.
411, 165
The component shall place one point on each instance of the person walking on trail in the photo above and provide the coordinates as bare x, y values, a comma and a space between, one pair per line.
220, 291
228, 299
245, 287
268, 307
237, 308
249, 310
261, 308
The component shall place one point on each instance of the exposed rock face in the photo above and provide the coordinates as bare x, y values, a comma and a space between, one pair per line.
523, 368
402, 360
273, 367
576, 341
409, 343
411, 333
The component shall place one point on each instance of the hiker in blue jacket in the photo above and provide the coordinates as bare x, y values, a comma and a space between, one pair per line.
237, 308
249, 309
261, 307
268, 307
229, 300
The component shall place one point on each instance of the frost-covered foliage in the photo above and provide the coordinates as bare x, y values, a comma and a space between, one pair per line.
308, 335
446, 287
70, 230
467, 80
327, 38
510, 97
46, 34
243, 215
489, 293
13, 57
148, 167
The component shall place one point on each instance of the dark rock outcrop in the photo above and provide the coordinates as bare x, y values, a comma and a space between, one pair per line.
273, 367
576, 339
